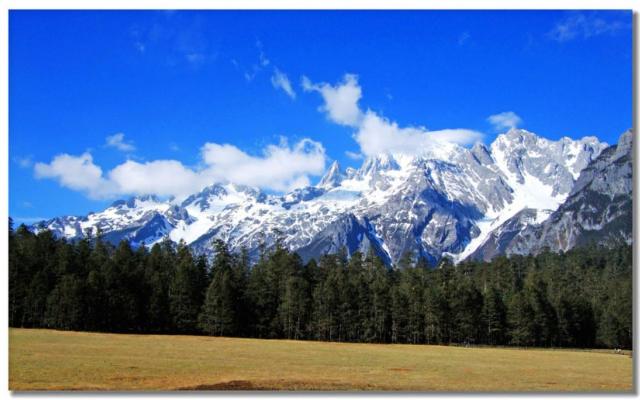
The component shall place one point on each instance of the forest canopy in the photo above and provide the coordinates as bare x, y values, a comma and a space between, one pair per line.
582, 298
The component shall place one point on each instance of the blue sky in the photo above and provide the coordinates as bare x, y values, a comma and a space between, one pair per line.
106, 104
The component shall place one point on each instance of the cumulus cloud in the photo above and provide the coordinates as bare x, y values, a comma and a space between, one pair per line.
581, 25
160, 177
76, 173
505, 120
340, 101
279, 80
280, 167
117, 141
376, 134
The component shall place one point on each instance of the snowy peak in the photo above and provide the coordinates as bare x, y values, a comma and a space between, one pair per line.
217, 196
444, 199
146, 201
597, 212
373, 166
520, 153
133, 208
579, 153
332, 178
216, 190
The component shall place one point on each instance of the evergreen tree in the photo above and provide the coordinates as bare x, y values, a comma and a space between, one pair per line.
219, 313
521, 321
64, 304
466, 305
184, 292
376, 329
329, 299
157, 275
494, 317
581, 298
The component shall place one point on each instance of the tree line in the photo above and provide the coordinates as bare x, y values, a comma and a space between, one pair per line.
582, 298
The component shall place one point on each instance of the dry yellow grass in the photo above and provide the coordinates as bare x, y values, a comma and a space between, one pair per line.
55, 360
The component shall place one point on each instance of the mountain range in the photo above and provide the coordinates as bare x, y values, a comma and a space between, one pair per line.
521, 194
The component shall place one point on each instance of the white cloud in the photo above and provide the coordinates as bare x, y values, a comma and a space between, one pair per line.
279, 80
505, 120
580, 25
280, 167
75, 172
160, 177
376, 134
117, 141
340, 101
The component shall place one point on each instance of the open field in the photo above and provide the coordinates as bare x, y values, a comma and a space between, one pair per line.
56, 360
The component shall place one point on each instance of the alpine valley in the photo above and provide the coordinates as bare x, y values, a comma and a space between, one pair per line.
521, 194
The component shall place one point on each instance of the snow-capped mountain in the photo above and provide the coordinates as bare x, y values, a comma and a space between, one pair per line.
447, 200
598, 210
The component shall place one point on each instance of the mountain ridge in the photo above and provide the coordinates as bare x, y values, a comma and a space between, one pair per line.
598, 210
444, 201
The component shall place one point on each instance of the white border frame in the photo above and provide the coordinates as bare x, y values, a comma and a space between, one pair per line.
269, 4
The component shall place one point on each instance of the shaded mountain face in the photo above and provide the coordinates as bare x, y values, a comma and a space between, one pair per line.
597, 211
446, 200
499, 240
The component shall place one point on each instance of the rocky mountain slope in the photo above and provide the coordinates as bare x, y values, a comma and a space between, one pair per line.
448, 200
597, 211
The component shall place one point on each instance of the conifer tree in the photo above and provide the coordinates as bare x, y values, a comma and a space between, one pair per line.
581, 298
494, 317
184, 292
219, 314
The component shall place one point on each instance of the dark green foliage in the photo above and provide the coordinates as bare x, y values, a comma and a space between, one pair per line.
185, 295
582, 298
220, 311
494, 317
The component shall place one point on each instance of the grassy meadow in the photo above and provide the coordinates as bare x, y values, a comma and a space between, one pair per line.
55, 360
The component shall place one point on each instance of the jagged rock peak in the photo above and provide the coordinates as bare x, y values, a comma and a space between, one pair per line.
625, 142
374, 165
481, 153
440, 199
333, 177
134, 200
